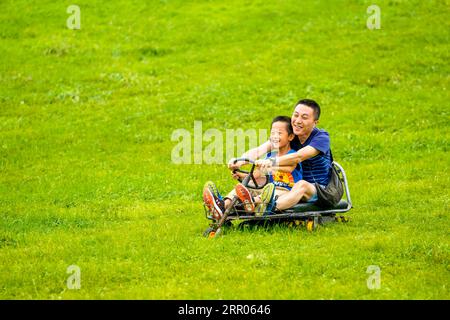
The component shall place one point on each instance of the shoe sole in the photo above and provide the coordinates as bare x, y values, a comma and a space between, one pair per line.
246, 198
266, 197
208, 200
212, 187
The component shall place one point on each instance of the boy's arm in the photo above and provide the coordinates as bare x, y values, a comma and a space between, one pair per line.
239, 175
257, 152
252, 154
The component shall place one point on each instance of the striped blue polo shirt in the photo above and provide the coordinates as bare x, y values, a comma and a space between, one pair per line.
317, 168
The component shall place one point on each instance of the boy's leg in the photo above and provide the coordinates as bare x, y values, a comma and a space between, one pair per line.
246, 197
280, 191
213, 200
256, 194
229, 197
267, 198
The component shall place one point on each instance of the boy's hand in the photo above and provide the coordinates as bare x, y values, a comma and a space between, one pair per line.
264, 165
234, 166
235, 175
238, 175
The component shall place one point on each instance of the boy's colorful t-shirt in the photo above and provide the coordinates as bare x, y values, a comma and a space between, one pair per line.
286, 179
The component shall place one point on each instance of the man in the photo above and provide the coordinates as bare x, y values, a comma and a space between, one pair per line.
313, 151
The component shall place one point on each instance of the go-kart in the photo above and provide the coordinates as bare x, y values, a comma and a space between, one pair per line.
302, 214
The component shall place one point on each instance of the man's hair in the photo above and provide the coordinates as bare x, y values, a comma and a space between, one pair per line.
313, 105
285, 119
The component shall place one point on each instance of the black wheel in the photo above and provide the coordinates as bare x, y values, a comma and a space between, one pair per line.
227, 224
212, 233
208, 231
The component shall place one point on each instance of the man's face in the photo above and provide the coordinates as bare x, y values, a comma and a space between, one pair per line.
303, 120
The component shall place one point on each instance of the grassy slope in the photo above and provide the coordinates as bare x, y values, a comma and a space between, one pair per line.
86, 119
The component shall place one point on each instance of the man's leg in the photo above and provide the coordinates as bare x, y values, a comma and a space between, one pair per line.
302, 190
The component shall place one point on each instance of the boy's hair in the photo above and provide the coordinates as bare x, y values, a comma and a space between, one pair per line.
313, 105
285, 119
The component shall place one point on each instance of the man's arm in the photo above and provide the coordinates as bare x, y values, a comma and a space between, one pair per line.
283, 168
295, 158
288, 160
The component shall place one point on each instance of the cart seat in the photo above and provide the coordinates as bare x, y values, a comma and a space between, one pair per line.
307, 207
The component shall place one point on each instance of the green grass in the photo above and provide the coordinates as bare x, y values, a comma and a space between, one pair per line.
86, 119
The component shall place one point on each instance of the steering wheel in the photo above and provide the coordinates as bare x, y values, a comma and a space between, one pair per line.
250, 175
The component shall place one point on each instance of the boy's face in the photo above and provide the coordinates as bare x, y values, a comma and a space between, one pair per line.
279, 135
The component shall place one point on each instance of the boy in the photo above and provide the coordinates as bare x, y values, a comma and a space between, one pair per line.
281, 178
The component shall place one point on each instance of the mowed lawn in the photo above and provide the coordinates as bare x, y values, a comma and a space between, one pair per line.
86, 170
